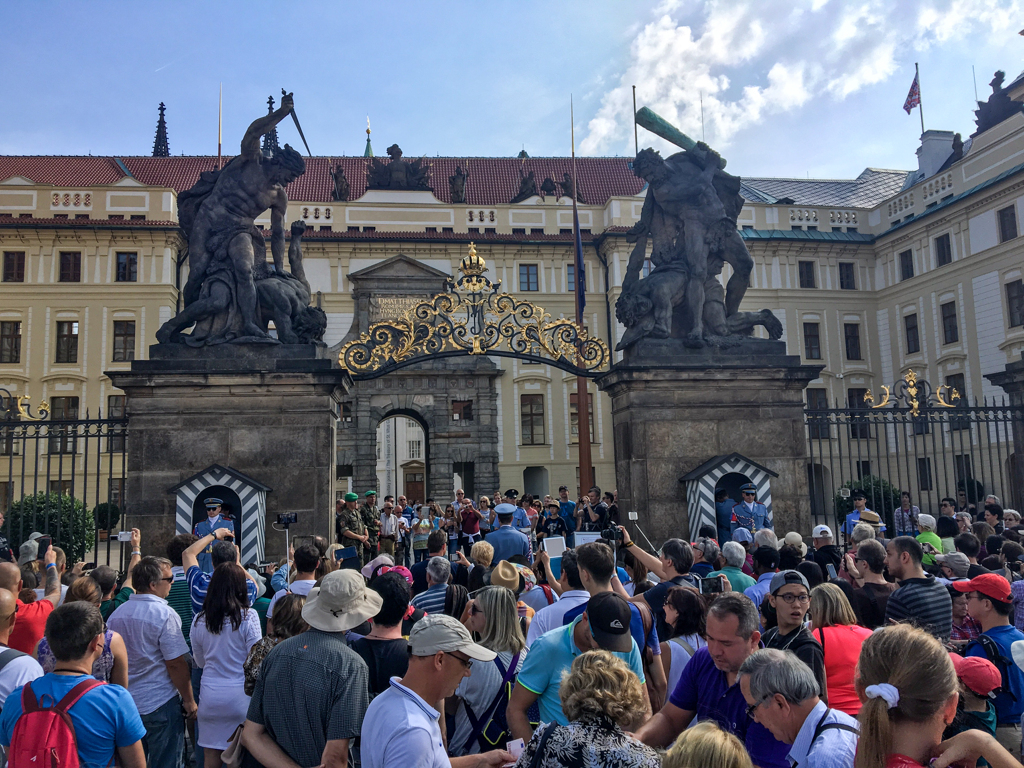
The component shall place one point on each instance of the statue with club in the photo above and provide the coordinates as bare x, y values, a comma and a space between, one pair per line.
226, 250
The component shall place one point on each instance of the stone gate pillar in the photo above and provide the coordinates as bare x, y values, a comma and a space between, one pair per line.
673, 408
1011, 379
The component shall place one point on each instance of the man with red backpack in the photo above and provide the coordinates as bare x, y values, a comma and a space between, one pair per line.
103, 718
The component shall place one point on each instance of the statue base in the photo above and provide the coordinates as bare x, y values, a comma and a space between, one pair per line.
269, 412
674, 408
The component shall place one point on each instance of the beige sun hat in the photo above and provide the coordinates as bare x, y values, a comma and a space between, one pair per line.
341, 602
795, 539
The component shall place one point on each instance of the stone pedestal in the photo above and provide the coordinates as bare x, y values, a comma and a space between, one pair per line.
1011, 379
267, 411
674, 408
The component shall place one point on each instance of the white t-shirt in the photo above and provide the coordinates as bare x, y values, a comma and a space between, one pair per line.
63, 593
221, 656
19, 671
479, 689
297, 587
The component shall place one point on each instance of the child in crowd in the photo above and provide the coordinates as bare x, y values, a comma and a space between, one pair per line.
978, 679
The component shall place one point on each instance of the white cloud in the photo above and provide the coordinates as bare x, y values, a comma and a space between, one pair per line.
752, 58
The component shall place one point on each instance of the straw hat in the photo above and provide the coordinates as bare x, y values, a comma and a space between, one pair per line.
341, 602
796, 540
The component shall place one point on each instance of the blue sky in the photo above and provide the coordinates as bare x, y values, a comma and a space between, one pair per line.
790, 87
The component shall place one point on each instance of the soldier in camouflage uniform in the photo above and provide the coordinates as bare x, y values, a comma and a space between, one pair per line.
349, 527
371, 519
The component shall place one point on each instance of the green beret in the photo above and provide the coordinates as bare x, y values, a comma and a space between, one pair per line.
370, 493
351, 496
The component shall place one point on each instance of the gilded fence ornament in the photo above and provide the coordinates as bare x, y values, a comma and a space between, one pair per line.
913, 393
12, 407
473, 318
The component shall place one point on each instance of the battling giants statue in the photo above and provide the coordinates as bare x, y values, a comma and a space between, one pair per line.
690, 217
232, 293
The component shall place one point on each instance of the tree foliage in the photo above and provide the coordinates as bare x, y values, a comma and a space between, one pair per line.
883, 498
64, 518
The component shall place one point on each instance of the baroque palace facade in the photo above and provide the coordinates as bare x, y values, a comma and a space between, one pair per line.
871, 277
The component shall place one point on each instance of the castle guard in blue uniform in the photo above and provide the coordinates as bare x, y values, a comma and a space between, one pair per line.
216, 517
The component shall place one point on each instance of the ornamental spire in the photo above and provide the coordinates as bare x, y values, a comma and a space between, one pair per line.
160, 148
270, 145
368, 152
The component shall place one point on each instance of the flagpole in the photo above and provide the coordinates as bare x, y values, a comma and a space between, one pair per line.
920, 101
220, 119
582, 395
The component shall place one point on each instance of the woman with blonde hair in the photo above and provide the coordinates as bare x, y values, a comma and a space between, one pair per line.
493, 616
908, 687
834, 626
706, 744
602, 699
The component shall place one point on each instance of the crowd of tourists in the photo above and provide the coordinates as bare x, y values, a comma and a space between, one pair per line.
839, 649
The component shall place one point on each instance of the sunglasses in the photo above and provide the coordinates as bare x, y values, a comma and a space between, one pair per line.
467, 663
168, 579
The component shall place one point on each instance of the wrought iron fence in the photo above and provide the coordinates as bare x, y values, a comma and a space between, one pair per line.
932, 445
63, 477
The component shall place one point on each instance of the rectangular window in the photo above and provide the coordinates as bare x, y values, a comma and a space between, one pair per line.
346, 413
817, 400
462, 410
1007, 218
127, 267
115, 492
863, 469
913, 337
924, 474
1015, 303
645, 270
859, 427
124, 340
574, 418
570, 278
847, 276
60, 487
906, 265
10, 341
812, 342
950, 332
70, 267
963, 467
943, 250
958, 382
115, 411
921, 425
531, 414
528, 277
14, 266
62, 436
415, 449
67, 342
806, 269
851, 334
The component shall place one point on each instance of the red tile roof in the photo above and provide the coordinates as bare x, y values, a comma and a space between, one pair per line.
492, 180
465, 237
17, 221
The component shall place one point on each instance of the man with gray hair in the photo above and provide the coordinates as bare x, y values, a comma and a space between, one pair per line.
782, 695
707, 688
766, 538
438, 572
705, 553
735, 556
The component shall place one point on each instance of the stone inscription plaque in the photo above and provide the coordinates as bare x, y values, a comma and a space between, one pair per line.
391, 307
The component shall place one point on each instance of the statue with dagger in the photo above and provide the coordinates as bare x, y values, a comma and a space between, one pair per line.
226, 249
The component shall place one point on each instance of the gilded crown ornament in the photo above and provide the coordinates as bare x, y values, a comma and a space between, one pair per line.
913, 393
473, 317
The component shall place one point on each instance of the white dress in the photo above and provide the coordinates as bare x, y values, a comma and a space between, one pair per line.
222, 701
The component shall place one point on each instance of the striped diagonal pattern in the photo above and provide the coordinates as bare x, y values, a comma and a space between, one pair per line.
252, 516
700, 492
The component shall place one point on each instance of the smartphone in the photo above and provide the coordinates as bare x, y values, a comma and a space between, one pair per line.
44, 544
710, 586
89, 567
124, 535
454, 558
831, 571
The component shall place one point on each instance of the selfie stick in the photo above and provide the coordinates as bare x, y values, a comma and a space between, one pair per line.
641, 530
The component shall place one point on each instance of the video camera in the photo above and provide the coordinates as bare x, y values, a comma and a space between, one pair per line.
612, 534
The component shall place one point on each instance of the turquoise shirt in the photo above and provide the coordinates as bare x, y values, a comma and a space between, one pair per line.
737, 578
552, 654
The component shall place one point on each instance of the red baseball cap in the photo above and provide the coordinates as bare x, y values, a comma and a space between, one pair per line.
991, 585
978, 674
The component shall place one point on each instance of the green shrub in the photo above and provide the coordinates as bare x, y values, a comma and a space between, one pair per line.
883, 498
61, 516
107, 515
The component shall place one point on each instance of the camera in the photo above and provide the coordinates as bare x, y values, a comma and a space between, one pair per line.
710, 586
288, 518
124, 535
612, 534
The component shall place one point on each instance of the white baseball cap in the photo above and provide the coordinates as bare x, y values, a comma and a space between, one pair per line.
822, 532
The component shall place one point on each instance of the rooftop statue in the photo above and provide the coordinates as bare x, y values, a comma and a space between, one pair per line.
689, 216
341, 189
997, 108
527, 187
569, 188
227, 251
398, 173
457, 184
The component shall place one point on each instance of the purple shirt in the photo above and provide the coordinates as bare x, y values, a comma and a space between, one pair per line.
703, 689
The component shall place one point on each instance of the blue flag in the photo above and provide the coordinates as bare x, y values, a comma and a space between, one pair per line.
581, 275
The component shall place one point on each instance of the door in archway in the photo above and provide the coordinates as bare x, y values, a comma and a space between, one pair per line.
414, 486
731, 482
